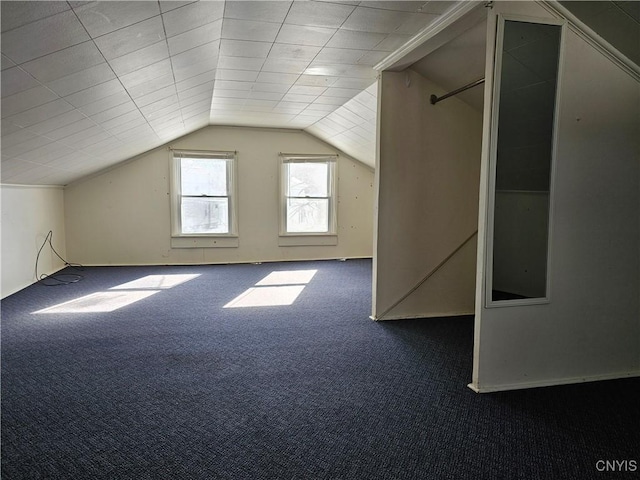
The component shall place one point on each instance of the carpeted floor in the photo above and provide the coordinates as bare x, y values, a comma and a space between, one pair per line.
174, 386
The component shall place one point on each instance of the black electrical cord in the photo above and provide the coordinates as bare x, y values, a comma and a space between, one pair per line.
58, 278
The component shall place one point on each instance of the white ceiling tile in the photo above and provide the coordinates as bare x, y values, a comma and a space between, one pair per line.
206, 52
240, 63
356, 40
191, 16
234, 29
151, 85
105, 103
294, 97
233, 85
260, 103
16, 14
392, 42
24, 147
372, 58
47, 153
314, 108
197, 110
307, 90
15, 80
340, 120
243, 48
341, 70
43, 37
114, 112
358, 83
301, 35
205, 87
26, 100
324, 100
172, 5
224, 102
188, 71
82, 141
132, 38
346, 93
155, 96
195, 81
316, 80
374, 20
203, 98
82, 80
265, 96
140, 58
284, 65
65, 62
265, 11
56, 122
282, 78
8, 127
95, 93
290, 107
100, 18
113, 124
71, 129
338, 55
239, 75
398, 5
207, 33
147, 74
221, 93
16, 138
416, 22
161, 107
7, 62
318, 14
295, 52
41, 113
269, 87
437, 7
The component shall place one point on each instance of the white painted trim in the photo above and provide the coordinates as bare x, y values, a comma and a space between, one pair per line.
20, 185
242, 262
434, 35
425, 315
493, 150
545, 383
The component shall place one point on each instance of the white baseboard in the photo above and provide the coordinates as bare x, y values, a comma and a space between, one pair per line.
551, 383
423, 315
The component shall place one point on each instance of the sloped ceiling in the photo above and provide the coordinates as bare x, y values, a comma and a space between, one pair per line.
86, 85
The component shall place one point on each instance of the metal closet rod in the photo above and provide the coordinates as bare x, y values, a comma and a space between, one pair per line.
435, 99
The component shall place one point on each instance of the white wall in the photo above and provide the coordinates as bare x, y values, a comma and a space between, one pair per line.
590, 329
427, 177
122, 216
28, 213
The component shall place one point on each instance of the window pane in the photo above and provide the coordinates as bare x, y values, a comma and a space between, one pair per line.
307, 215
308, 179
204, 176
205, 215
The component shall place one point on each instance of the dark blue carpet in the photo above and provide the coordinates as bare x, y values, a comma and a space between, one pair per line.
176, 387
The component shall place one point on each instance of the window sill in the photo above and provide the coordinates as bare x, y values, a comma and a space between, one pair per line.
313, 239
205, 242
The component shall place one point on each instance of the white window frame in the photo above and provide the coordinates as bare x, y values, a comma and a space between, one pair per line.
329, 237
180, 239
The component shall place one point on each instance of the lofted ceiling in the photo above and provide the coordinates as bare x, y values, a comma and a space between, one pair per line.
86, 85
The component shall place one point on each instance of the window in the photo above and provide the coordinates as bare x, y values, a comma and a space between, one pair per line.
308, 195
203, 194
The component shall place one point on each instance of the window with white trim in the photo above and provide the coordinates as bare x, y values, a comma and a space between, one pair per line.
308, 195
203, 194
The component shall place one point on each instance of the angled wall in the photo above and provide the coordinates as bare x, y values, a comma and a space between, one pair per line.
427, 176
122, 216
